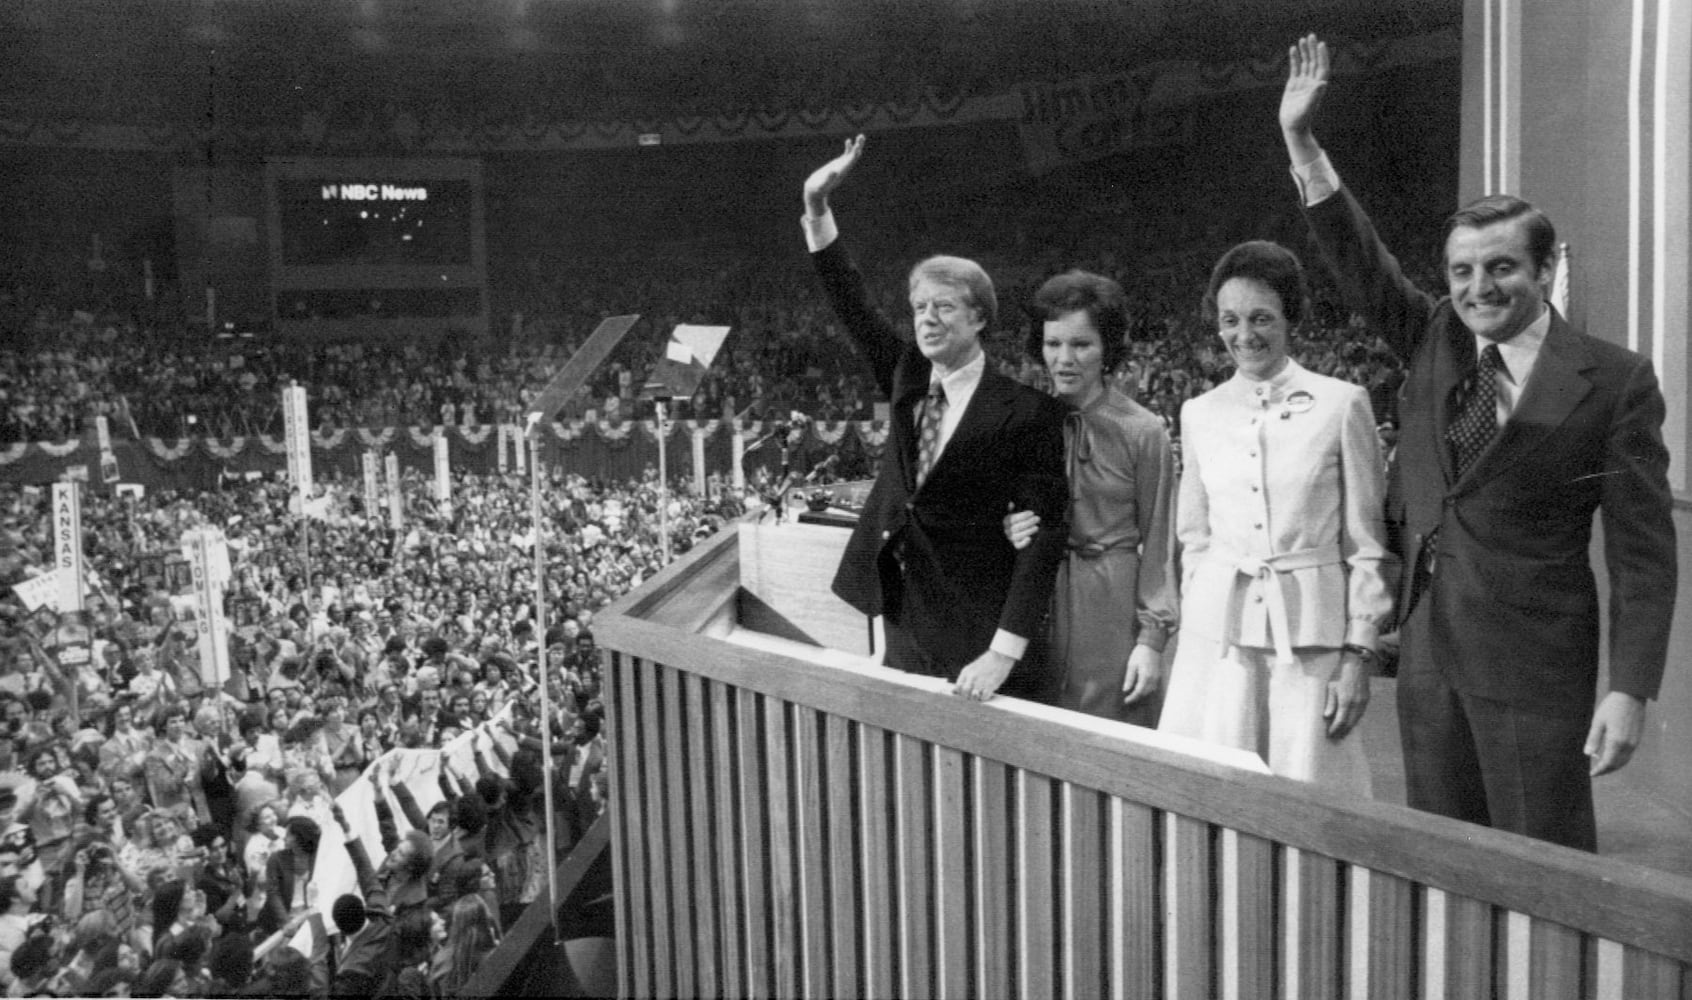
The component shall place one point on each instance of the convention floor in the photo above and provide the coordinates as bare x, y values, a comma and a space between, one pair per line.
1633, 824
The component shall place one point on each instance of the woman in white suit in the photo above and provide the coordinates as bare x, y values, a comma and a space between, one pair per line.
1282, 541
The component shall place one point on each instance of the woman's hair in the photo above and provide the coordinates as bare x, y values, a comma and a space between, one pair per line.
162, 719
190, 948
8, 892
1269, 264
306, 832
91, 811
471, 934
231, 960
155, 982
253, 820
95, 930
1100, 298
167, 903
302, 730
411, 932
422, 855
289, 972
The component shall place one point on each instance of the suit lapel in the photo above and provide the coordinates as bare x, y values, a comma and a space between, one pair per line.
1452, 362
1554, 388
979, 419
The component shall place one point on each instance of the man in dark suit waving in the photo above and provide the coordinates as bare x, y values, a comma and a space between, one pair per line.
966, 444
1514, 428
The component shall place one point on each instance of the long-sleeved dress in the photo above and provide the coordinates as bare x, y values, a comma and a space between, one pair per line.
1283, 555
1116, 585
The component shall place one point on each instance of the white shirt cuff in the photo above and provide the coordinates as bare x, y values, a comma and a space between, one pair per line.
820, 230
1317, 180
1010, 645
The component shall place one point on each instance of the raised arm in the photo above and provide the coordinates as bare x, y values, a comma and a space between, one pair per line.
878, 341
1369, 277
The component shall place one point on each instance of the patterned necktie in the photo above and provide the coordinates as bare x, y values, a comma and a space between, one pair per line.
1476, 422
928, 433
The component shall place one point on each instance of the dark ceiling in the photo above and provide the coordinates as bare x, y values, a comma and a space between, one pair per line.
270, 59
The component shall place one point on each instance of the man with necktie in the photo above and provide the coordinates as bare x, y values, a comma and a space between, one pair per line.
1514, 428
966, 444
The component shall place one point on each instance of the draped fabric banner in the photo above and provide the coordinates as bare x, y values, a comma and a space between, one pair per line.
591, 448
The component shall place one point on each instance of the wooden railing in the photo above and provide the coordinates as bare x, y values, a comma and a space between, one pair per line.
784, 826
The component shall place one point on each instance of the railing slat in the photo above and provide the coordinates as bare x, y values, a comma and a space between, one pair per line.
951, 862
677, 791
703, 835
1246, 920
1083, 947
814, 910
784, 910
1459, 950
1644, 976
754, 831
628, 873
843, 853
1310, 943
1186, 908
1036, 885
881, 967
915, 841
658, 843
1132, 920
1542, 960
994, 926
1381, 959
731, 910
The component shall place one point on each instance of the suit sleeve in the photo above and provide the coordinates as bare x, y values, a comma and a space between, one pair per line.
1156, 602
1043, 487
1368, 603
1368, 275
876, 339
1192, 517
1637, 512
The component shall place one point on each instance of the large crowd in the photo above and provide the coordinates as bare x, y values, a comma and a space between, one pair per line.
65, 360
165, 835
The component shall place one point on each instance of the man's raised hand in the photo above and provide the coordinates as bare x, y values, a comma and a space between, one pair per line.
1307, 81
827, 177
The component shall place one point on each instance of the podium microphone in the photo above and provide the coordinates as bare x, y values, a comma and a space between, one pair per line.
822, 467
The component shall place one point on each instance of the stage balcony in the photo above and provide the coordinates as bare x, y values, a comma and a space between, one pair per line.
786, 819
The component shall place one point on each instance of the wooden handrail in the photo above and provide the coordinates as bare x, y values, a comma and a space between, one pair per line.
708, 713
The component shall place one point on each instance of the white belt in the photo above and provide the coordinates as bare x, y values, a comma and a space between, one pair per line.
1269, 571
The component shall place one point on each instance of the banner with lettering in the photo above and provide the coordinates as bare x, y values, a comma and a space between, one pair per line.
1090, 117
297, 426
67, 543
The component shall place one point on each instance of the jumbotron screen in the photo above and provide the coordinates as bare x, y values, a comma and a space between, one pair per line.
374, 222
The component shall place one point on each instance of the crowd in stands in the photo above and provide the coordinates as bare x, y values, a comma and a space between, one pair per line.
162, 835
784, 354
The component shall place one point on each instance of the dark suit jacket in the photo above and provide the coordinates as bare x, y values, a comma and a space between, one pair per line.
1514, 607
961, 579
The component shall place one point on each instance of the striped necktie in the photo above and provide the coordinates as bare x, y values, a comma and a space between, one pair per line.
928, 435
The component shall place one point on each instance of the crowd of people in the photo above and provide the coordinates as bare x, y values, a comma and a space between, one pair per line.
152, 371
165, 835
